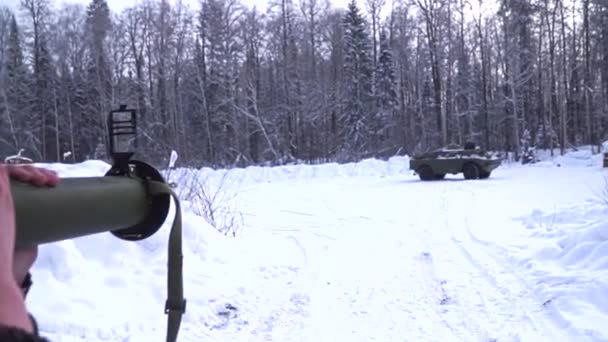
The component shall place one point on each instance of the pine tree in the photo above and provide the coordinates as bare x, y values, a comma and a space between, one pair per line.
98, 76
386, 94
14, 56
357, 78
46, 106
16, 92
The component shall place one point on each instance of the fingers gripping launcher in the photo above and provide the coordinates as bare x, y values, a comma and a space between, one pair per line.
131, 201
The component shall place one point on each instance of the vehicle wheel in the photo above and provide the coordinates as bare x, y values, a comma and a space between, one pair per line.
426, 173
471, 171
484, 175
440, 176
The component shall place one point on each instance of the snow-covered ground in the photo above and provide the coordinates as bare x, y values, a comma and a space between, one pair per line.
355, 252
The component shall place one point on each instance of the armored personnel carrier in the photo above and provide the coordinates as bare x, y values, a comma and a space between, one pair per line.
472, 161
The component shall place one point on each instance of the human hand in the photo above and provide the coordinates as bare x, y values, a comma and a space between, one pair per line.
15, 264
33, 175
24, 258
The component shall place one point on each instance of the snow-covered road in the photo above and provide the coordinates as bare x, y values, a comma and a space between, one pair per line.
367, 252
393, 258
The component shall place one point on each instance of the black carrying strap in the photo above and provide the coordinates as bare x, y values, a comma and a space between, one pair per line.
175, 306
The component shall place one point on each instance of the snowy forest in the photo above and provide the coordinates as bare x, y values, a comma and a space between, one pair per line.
227, 85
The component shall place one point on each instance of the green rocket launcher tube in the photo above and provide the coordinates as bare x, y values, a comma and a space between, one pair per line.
76, 207
131, 201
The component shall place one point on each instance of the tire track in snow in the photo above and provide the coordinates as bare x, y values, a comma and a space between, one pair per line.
434, 292
301, 248
415, 294
468, 306
545, 308
508, 308
517, 303
520, 300
446, 311
493, 324
468, 301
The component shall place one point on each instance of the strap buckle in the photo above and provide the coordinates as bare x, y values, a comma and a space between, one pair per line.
174, 307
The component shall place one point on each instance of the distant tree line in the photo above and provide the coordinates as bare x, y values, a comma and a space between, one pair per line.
225, 85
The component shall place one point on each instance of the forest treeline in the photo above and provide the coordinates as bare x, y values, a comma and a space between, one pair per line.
227, 85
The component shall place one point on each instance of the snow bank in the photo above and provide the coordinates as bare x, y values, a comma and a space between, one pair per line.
256, 174
567, 258
564, 250
581, 157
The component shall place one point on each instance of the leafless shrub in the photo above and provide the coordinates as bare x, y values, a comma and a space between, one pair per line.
211, 199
